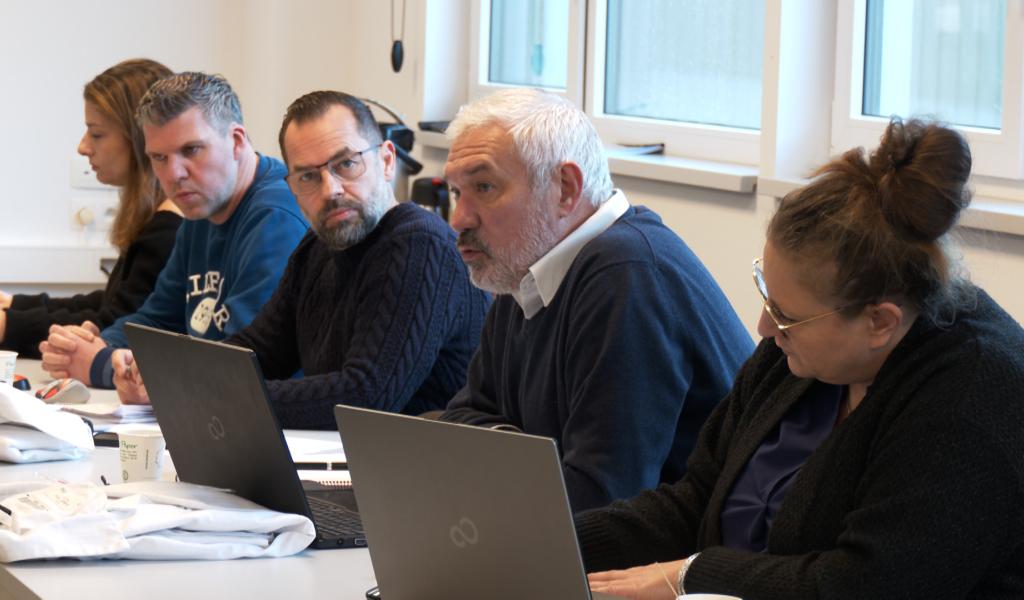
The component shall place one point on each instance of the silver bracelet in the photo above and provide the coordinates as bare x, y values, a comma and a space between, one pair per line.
683, 569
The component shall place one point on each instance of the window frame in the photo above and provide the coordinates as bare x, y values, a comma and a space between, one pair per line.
996, 153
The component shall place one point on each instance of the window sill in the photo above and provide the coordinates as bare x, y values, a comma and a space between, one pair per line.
993, 208
687, 171
989, 214
657, 167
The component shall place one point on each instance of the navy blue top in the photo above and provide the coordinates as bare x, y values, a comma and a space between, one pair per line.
389, 323
218, 276
758, 493
637, 347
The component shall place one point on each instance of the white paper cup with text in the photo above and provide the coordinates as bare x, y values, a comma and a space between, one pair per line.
142, 454
7, 360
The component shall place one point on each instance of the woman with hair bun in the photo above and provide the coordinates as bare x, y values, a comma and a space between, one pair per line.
143, 230
873, 445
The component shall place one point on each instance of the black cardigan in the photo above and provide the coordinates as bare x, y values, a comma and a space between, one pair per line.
30, 316
918, 494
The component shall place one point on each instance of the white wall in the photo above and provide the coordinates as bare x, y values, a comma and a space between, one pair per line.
270, 51
274, 50
49, 50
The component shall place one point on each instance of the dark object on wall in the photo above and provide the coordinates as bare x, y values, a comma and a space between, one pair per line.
397, 51
398, 134
397, 54
432, 194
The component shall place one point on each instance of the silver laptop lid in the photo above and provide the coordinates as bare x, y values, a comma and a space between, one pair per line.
211, 404
453, 511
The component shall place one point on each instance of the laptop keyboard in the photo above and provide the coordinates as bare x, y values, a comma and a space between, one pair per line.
334, 520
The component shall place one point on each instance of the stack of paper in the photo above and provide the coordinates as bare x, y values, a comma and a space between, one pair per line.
108, 414
31, 431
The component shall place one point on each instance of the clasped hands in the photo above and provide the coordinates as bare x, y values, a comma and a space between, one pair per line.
69, 352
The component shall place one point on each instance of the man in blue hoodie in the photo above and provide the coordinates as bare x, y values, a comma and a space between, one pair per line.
242, 225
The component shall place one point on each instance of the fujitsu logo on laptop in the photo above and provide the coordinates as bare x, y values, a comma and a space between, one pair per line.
464, 533
216, 429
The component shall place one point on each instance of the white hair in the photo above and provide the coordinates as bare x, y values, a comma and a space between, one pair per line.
547, 130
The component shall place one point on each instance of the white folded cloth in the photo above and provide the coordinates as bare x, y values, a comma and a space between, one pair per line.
151, 520
32, 431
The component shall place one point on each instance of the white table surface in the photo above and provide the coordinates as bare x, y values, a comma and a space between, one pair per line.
342, 574
33, 369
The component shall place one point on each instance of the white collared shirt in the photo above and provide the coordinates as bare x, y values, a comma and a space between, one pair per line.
540, 284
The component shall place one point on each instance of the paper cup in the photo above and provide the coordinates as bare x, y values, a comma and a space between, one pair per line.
7, 360
142, 454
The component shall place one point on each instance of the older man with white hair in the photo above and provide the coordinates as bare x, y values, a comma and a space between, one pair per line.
607, 333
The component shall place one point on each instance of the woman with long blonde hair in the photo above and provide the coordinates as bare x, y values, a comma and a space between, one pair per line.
143, 230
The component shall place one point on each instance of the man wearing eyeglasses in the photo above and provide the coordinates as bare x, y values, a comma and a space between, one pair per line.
375, 307
607, 334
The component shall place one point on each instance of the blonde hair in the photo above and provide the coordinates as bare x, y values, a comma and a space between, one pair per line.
116, 93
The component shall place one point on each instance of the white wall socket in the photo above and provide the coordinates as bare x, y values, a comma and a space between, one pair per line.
93, 213
83, 177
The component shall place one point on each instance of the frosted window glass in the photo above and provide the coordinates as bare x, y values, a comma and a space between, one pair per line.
697, 61
935, 58
529, 43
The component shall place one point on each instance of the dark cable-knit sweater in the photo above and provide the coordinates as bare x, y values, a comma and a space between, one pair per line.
30, 316
919, 493
389, 323
621, 368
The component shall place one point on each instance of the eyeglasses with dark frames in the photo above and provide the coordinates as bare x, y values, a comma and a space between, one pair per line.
348, 167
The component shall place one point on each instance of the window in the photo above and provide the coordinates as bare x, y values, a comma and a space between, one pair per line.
943, 57
534, 43
659, 53
954, 60
528, 43
687, 75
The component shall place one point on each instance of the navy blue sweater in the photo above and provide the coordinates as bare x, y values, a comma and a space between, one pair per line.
389, 323
621, 369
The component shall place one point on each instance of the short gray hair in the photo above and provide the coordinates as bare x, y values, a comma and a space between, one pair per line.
171, 96
547, 130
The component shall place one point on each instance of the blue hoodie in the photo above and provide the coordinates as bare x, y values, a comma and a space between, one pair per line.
225, 273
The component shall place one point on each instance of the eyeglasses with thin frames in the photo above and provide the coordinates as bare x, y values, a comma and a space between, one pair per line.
783, 324
344, 168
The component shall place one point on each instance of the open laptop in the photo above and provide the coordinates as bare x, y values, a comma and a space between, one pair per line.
212, 406
453, 511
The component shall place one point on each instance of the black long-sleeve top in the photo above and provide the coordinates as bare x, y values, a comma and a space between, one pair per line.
917, 494
30, 315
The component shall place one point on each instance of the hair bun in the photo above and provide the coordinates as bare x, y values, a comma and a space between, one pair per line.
921, 172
